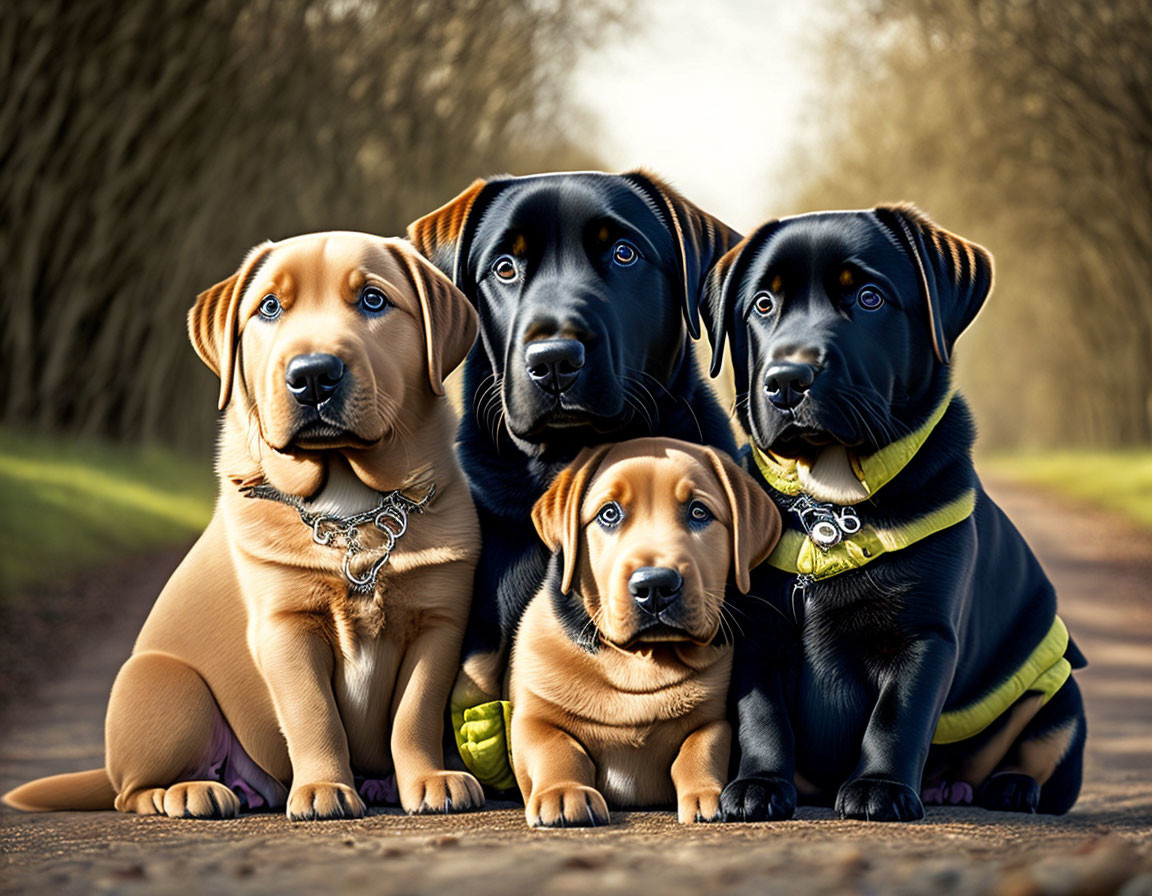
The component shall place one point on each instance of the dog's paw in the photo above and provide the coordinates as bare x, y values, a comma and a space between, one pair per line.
442, 792
758, 799
698, 806
323, 802
567, 806
200, 799
142, 802
876, 799
1009, 792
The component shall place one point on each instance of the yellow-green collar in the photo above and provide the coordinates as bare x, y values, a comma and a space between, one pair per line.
797, 553
792, 476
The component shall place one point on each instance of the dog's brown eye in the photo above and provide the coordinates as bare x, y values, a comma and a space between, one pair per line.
270, 307
624, 253
373, 300
610, 515
869, 299
764, 303
505, 268
699, 514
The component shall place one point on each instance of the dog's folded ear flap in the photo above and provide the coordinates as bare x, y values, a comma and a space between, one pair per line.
213, 322
756, 522
700, 239
955, 274
556, 515
442, 236
719, 292
447, 317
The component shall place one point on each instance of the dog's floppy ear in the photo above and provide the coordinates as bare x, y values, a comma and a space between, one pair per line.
213, 322
442, 236
756, 522
700, 239
955, 274
718, 294
556, 515
446, 316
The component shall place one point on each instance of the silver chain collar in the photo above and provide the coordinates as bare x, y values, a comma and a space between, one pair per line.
390, 517
825, 523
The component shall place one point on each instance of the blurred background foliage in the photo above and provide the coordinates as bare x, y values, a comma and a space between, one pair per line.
146, 145
1026, 126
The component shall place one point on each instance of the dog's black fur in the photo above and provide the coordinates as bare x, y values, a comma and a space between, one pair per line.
561, 232
844, 683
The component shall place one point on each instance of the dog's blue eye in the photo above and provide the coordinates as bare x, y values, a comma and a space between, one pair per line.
270, 307
624, 253
505, 268
869, 299
610, 515
373, 300
699, 514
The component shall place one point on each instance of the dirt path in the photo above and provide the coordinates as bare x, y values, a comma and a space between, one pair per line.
1102, 569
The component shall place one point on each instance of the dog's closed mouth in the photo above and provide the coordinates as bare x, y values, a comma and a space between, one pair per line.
656, 634
320, 435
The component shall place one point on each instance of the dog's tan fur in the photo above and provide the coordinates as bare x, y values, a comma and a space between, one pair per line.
257, 625
640, 721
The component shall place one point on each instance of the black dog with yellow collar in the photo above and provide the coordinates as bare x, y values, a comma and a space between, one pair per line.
903, 641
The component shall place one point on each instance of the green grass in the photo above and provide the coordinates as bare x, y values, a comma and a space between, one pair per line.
68, 505
1114, 480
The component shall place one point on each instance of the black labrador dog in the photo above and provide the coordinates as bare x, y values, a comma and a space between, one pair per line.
906, 643
587, 286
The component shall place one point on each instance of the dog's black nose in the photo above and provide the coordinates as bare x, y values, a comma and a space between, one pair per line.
554, 364
313, 378
655, 587
787, 381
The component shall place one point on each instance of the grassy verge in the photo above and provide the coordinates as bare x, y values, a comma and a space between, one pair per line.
1115, 480
67, 505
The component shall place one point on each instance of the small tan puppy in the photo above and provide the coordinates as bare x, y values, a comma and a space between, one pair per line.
312, 633
620, 668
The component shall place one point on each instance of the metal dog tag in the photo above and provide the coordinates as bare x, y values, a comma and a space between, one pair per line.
825, 533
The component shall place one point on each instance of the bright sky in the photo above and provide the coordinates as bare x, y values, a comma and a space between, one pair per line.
708, 94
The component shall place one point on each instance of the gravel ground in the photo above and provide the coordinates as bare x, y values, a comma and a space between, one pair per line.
1102, 568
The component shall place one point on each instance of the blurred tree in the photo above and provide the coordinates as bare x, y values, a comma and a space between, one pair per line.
146, 145
1026, 126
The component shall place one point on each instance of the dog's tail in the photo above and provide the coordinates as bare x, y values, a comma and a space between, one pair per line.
77, 791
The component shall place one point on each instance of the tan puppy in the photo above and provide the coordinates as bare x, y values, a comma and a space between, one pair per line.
283, 658
620, 667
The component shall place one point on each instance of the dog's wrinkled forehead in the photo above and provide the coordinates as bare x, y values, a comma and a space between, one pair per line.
532, 214
810, 250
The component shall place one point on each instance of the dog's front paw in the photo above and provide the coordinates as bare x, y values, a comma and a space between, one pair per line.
567, 806
442, 792
1009, 792
323, 802
200, 799
875, 799
758, 799
699, 806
